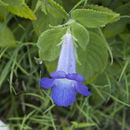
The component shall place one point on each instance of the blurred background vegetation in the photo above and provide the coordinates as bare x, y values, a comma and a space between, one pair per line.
26, 106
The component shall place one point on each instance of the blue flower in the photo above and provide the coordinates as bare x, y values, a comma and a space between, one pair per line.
65, 81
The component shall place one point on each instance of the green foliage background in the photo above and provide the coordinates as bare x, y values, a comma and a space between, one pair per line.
31, 32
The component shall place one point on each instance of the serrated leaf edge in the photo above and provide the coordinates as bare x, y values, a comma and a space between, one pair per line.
100, 12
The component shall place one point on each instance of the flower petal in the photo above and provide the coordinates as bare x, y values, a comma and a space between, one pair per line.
76, 77
63, 93
58, 74
66, 61
82, 89
46, 83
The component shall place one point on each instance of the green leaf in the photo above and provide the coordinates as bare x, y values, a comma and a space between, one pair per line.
99, 8
6, 37
48, 43
94, 59
126, 44
59, 8
50, 14
81, 34
3, 3
20, 8
95, 16
125, 37
124, 9
43, 21
118, 27
3, 13
113, 29
43, 6
51, 66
